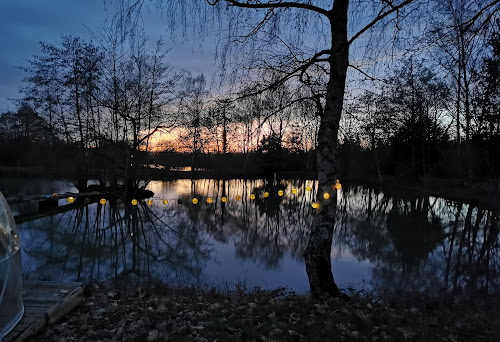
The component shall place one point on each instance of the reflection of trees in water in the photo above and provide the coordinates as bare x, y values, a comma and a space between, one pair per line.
417, 242
264, 229
421, 242
117, 241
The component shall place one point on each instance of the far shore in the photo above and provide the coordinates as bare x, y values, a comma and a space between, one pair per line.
484, 193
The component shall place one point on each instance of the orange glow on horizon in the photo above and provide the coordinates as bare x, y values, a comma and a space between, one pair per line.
180, 140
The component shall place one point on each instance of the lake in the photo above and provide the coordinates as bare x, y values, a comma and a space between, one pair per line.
380, 240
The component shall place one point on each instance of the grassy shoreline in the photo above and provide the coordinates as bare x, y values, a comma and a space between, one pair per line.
161, 313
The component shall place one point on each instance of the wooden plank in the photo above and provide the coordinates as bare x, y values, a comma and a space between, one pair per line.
31, 330
76, 195
46, 303
49, 206
66, 305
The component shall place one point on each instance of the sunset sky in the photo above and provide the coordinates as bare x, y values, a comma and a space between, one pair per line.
24, 23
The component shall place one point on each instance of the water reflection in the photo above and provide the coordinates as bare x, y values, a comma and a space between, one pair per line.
262, 230
421, 243
116, 241
418, 243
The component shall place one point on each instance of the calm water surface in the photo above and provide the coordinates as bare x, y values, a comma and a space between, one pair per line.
417, 243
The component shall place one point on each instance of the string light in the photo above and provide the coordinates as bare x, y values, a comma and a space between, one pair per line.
337, 185
209, 200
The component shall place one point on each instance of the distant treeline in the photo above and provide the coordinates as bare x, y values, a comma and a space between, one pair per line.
413, 158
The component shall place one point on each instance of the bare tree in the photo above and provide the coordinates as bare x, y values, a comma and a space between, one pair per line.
275, 36
278, 31
64, 77
193, 98
459, 36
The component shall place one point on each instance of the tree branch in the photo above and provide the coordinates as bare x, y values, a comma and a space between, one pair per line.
362, 72
379, 18
157, 128
467, 25
282, 108
302, 68
280, 4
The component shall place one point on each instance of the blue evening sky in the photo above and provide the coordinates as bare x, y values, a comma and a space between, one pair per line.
24, 23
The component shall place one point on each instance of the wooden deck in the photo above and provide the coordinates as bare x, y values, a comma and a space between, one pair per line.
45, 303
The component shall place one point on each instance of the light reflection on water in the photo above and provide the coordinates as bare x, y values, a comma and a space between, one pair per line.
379, 240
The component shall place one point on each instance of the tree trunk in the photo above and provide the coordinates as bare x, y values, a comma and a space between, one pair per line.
317, 253
224, 131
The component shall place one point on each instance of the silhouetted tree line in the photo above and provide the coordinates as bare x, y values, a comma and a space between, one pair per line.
409, 126
405, 129
95, 109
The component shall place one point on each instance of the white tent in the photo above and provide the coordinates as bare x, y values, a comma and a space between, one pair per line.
11, 301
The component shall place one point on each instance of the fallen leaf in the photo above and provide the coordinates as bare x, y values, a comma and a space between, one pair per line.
153, 335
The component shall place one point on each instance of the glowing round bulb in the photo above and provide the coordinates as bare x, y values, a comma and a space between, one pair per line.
150, 201
102, 201
224, 199
252, 196
294, 191
195, 200
308, 188
266, 194
238, 198
165, 201
134, 202
338, 186
326, 195
71, 199
209, 200
315, 205
280, 193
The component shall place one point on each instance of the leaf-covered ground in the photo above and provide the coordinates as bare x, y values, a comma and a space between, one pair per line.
160, 313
